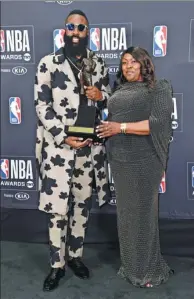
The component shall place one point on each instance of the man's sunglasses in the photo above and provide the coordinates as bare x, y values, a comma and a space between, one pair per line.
80, 27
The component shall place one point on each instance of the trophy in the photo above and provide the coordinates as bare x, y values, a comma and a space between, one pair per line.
88, 67
87, 118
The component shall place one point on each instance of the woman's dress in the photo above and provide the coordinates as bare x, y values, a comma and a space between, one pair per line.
137, 164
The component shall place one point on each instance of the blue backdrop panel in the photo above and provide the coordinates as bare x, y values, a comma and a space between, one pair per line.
33, 29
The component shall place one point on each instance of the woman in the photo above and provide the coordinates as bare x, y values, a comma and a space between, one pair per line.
138, 131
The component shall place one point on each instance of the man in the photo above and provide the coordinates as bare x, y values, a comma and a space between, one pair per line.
67, 165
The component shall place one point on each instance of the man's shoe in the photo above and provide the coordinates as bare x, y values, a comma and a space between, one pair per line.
52, 280
78, 268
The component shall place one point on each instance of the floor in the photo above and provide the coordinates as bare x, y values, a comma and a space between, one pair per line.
24, 267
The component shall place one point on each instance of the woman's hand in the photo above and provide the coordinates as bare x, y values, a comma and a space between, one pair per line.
108, 128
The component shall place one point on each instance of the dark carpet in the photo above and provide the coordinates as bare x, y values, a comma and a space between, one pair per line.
24, 266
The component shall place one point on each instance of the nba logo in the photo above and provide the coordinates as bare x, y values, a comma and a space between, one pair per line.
160, 41
162, 188
4, 169
192, 176
15, 110
95, 39
2, 45
58, 39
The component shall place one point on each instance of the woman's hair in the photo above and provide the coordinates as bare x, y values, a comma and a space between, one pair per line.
147, 67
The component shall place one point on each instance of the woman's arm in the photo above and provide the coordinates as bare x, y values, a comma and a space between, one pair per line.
138, 128
107, 129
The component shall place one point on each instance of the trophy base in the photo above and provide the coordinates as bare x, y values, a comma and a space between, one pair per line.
83, 132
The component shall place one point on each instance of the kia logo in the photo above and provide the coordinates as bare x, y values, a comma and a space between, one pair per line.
112, 70
22, 196
19, 70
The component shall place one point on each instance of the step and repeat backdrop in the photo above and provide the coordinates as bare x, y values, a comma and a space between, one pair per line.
32, 29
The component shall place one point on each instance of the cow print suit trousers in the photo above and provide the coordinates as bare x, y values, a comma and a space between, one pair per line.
67, 232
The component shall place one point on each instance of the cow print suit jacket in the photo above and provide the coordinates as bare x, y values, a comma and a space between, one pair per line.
56, 101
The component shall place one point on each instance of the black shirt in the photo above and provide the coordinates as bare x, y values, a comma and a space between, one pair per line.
77, 62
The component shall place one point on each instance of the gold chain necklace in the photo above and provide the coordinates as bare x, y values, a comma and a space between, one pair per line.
74, 65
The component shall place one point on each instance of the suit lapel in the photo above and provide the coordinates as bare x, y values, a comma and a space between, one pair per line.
61, 62
68, 71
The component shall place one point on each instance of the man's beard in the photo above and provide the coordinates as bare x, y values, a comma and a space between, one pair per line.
75, 49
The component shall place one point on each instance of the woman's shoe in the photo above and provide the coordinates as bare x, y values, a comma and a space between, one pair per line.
147, 285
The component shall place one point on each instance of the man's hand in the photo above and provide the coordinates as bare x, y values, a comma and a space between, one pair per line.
93, 93
77, 142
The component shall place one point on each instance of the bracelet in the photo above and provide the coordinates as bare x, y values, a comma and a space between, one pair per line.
123, 128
